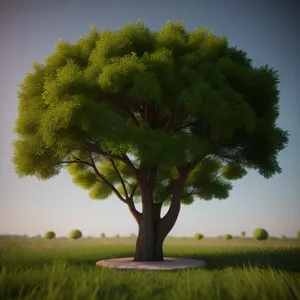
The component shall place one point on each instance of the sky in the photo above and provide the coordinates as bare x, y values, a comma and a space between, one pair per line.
265, 29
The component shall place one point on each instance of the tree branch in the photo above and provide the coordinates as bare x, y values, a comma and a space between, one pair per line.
190, 194
105, 180
120, 177
133, 191
185, 126
97, 149
156, 215
146, 112
142, 112
129, 199
174, 113
124, 158
129, 163
132, 116
100, 181
169, 122
157, 125
152, 177
67, 162
168, 221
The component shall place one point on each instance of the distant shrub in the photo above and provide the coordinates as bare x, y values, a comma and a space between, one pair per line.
117, 236
103, 236
49, 235
133, 236
243, 233
228, 236
198, 236
75, 234
260, 234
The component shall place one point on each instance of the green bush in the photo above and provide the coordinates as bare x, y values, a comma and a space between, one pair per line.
198, 236
243, 233
103, 236
228, 236
49, 235
260, 234
75, 234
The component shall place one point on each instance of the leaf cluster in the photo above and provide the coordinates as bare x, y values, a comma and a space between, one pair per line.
166, 98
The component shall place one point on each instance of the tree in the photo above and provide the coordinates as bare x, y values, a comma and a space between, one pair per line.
159, 117
198, 236
260, 234
75, 234
103, 235
49, 235
243, 233
228, 236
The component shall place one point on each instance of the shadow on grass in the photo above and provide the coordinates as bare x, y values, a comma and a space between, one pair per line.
278, 259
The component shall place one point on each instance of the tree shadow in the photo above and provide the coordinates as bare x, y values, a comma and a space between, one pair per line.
276, 259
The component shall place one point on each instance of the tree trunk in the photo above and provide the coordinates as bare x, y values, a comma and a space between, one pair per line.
152, 233
144, 250
148, 244
150, 240
152, 228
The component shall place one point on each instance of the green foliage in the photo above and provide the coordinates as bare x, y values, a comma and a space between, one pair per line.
243, 233
260, 234
233, 171
85, 179
76, 168
198, 236
75, 234
100, 191
228, 236
103, 235
86, 99
49, 235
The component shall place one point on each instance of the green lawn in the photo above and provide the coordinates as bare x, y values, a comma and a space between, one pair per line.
65, 269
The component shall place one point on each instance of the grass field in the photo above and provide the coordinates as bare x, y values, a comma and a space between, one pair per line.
65, 269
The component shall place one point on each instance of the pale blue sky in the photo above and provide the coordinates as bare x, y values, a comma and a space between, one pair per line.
28, 32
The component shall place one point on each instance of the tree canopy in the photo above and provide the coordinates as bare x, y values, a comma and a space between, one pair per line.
113, 100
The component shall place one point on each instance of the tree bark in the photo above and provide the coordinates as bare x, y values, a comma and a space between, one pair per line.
152, 228
149, 244
144, 250
152, 233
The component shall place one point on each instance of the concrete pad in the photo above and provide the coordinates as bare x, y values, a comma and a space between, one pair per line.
170, 263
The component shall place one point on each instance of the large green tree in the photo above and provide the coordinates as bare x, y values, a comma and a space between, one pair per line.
159, 117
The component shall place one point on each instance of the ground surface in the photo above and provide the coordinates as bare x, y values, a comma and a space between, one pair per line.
65, 269
169, 263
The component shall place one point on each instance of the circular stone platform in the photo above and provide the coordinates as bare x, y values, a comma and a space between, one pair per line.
170, 263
